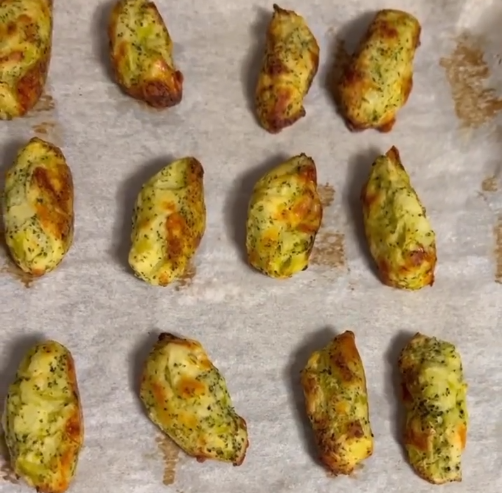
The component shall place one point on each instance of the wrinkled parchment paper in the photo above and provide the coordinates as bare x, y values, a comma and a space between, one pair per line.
260, 331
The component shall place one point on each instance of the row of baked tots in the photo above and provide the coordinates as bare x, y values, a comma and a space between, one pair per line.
374, 86
169, 218
186, 396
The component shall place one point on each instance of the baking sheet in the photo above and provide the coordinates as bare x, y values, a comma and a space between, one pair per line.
260, 331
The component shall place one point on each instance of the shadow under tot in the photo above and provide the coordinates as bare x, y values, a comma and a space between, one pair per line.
126, 196
393, 385
99, 36
313, 342
236, 206
252, 63
342, 46
137, 360
9, 154
359, 169
16, 350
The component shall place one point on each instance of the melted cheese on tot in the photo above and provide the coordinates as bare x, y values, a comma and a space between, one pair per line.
43, 418
169, 221
334, 384
25, 47
187, 398
38, 207
379, 80
284, 216
434, 394
400, 236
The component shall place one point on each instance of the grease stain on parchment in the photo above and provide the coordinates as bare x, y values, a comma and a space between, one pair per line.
44, 121
329, 246
170, 454
490, 184
43, 129
6, 472
186, 279
497, 232
329, 250
326, 194
467, 73
17, 274
45, 103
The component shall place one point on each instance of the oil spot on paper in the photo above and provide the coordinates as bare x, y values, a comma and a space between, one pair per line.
45, 103
187, 278
329, 246
467, 73
47, 130
44, 121
489, 184
329, 250
7, 474
498, 249
17, 274
170, 455
327, 194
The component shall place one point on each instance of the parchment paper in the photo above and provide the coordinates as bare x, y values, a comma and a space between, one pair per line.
260, 331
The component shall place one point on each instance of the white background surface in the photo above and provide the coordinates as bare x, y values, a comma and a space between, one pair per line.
258, 331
